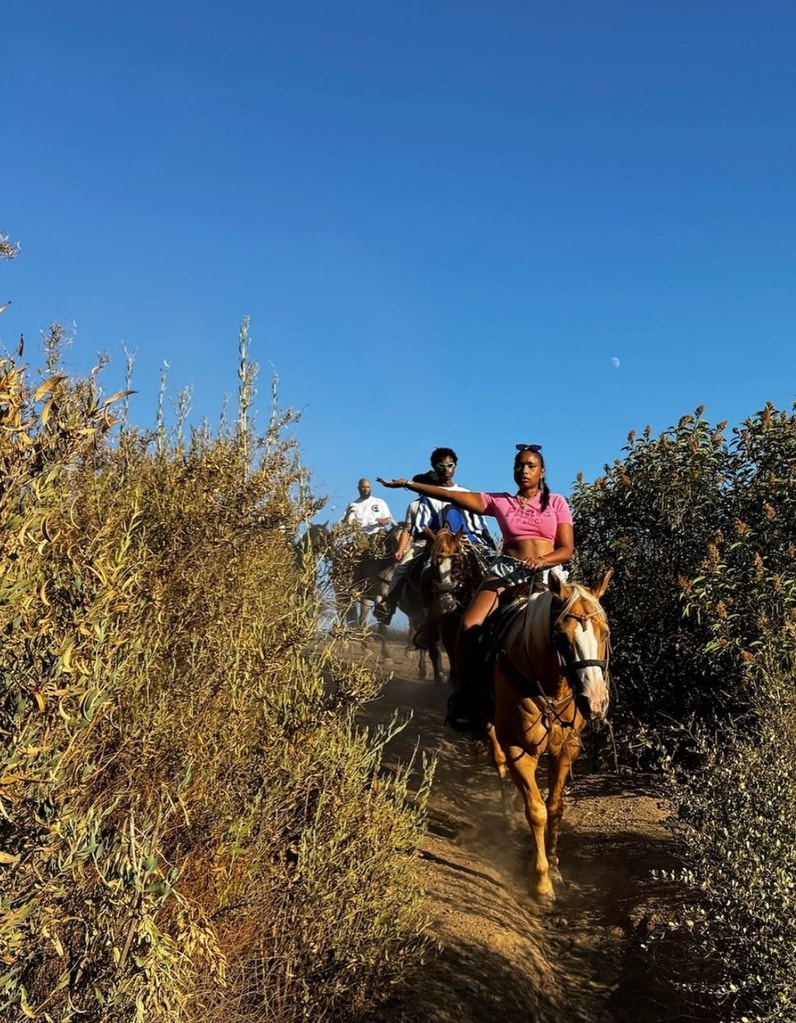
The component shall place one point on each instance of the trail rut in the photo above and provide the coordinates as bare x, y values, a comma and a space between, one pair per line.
495, 954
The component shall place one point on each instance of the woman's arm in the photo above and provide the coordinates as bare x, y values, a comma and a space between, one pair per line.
468, 499
562, 551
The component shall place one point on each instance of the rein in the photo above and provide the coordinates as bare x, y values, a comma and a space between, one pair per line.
551, 710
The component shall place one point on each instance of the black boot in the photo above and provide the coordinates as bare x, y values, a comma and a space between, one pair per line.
384, 611
468, 704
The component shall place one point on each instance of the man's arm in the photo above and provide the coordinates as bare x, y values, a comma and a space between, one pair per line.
386, 517
403, 542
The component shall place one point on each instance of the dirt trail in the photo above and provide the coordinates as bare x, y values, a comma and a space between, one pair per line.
497, 954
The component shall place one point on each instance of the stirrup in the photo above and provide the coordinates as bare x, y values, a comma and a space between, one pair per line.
458, 718
383, 613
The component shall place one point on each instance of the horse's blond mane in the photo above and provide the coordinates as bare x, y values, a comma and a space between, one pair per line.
579, 592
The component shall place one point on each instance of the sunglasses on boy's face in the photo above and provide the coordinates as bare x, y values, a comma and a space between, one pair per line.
445, 465
536, 448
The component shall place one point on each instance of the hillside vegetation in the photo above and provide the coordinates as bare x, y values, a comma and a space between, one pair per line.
192, 826
702, 533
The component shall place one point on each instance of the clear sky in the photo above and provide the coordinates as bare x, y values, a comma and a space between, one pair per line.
451, 223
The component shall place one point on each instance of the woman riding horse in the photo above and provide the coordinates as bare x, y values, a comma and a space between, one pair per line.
549, 678
537, 536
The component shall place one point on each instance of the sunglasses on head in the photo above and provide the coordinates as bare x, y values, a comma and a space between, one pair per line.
529, 447
445, 465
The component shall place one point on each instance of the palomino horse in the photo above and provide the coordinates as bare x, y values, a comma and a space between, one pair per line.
549, 680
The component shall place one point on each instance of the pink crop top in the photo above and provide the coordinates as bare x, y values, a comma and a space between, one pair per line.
529, 523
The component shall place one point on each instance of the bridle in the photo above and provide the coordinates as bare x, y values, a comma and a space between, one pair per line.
562, 646
455, 589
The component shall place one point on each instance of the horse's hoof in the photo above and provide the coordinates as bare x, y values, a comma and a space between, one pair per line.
545, 900
539, 905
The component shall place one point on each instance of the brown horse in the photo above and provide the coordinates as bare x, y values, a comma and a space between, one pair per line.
549, 680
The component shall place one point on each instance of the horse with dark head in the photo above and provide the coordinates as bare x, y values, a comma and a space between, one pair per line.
415, 601
457, 569
549, 680
313, 545
362, 567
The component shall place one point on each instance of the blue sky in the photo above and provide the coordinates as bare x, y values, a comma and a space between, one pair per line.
447, 221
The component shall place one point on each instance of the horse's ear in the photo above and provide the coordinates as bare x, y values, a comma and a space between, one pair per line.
602, 585
557, 586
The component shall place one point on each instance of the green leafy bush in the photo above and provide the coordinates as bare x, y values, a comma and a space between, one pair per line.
701, 536
738, 835
703, 614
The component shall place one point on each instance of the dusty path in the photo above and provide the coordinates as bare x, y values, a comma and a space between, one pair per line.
497, 955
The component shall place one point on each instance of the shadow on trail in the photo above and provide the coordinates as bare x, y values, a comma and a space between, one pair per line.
469, 983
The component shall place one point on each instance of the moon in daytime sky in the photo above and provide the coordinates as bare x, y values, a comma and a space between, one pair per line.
615, 362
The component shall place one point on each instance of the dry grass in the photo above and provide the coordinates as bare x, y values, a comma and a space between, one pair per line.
192, 825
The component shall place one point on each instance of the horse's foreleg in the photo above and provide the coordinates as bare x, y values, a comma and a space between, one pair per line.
381, 632
501, 766
557, 772
435, 654
523, 770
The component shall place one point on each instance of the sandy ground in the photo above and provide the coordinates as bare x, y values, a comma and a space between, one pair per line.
495, 953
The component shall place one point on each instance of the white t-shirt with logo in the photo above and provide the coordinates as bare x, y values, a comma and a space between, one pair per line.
366, 512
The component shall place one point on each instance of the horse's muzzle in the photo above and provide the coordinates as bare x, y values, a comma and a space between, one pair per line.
446, 603
595, 715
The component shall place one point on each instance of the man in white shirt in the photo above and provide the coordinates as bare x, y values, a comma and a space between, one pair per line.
371, 514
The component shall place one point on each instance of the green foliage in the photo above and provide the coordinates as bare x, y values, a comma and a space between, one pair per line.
700, 533
746, 593
738, 831
703, 614
653, 518
191, 826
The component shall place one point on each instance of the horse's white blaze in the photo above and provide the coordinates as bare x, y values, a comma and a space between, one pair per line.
592, 678
445, 574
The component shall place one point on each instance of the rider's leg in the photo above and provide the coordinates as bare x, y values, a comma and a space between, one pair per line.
386, 609
463, 710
